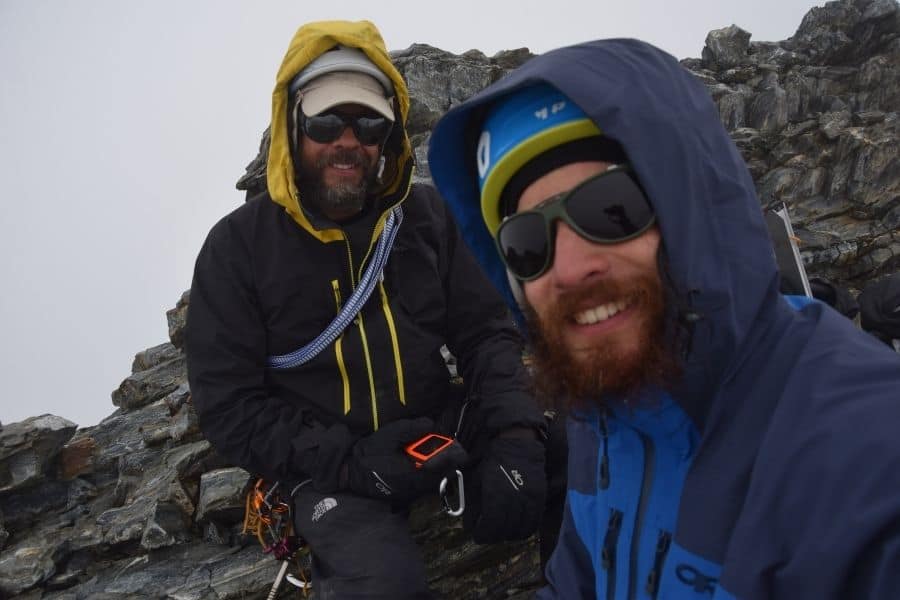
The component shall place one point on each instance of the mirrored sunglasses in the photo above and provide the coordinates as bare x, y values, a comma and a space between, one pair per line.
607, 208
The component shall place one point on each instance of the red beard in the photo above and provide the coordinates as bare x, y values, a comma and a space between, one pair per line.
612, 366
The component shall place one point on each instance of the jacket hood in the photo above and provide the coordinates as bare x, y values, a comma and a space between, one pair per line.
720, 256
310, 41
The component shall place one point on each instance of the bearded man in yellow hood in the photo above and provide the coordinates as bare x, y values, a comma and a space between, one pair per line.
320, 314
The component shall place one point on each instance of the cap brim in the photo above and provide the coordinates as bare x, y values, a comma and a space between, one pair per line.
320, 99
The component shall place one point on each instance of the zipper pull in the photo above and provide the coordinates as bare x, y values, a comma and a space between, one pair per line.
336, 288
662, 549
608, 554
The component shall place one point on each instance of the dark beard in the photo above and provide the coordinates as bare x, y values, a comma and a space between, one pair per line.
344, 198
579, 379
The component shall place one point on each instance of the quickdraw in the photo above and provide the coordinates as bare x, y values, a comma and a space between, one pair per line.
268, 517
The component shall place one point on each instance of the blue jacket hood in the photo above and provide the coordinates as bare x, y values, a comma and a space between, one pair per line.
720, 256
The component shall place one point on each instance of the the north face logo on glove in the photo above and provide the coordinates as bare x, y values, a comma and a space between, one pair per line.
323, 506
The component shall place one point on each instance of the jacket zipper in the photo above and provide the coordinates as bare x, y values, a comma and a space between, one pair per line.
646, 482
359, 317
608, 553
390, 323
395, 342
663, 542
604, 460
338, 348
365, 342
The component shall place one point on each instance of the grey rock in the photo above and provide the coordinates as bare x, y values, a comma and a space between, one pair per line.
190, 460
166, 526
154, 356
842, 32
769, 110
28, 447
185, 424
222, 494
177, 317
732, 109
176, 400
834, 124
869, 117
774, 54
81, 491
125, 523
24, 566
726, 48
777, 184
144, 387
23, 507
461, 77
4, 534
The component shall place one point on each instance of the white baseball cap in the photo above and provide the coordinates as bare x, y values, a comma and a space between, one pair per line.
343, 75
344, 87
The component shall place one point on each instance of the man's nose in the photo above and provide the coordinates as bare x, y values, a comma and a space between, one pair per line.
575, 259
347, 138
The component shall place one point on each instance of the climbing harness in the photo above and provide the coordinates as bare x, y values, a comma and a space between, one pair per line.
268, 517
374, 272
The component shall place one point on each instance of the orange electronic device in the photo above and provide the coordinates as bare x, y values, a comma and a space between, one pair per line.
428, 447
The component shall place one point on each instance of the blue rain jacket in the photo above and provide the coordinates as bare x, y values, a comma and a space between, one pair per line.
773, 470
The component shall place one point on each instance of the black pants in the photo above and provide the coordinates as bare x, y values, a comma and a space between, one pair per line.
360, 548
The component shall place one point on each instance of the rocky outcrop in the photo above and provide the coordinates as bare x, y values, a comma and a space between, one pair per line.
140, 505
816, 118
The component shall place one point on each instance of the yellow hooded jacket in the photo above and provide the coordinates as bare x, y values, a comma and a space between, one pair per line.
269, 279
309, 43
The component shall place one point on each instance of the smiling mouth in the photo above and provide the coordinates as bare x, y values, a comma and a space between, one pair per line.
600, 313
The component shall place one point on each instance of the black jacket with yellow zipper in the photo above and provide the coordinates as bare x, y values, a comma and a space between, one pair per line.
270, 278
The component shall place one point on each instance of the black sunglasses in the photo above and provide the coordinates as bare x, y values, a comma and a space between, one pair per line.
607, 208
327, 127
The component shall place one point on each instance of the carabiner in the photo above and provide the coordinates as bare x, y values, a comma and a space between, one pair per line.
460, 492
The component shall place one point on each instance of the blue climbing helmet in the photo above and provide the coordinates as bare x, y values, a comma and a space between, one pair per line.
518, 128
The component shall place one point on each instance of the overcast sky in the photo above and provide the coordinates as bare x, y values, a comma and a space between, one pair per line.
125, 124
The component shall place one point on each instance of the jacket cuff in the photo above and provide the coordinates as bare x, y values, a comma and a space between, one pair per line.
324, 457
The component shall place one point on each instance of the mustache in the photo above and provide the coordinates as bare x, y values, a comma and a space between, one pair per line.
344, 156
602, 292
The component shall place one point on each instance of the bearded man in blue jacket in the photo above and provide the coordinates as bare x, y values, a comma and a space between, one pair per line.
725, 441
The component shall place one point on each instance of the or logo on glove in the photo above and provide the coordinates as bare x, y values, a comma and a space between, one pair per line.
381, 485
515, 479
507, 491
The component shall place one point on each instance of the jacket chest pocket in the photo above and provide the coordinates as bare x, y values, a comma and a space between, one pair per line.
296, 309
413, 282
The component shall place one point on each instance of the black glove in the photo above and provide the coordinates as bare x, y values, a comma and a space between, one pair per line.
379, 466
506, 494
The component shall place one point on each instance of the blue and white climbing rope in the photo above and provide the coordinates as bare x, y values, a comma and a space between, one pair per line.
354, 304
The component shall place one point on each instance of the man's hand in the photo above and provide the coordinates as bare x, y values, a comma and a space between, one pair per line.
379, 466
508, 490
